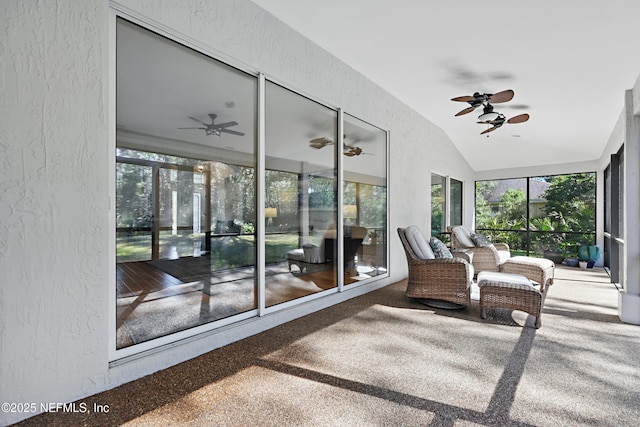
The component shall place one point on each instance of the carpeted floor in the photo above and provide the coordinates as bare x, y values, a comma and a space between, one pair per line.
384, 360
212, 296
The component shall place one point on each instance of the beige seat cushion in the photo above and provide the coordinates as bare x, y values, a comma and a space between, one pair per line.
497, 277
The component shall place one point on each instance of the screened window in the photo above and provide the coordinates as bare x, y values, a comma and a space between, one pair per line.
538, 214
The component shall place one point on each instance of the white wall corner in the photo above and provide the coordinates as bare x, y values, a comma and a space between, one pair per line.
629, 307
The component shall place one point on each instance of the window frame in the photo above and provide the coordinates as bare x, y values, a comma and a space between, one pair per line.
117, 356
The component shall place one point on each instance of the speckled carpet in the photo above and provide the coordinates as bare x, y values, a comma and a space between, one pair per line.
384, 360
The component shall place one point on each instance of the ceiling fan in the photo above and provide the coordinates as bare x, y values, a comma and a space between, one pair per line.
215, 129
489, 116
347, 150
478, 99
501, 119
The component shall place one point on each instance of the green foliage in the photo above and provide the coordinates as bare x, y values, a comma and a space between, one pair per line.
571, 202
437, 213
248, 228
570, 207
484, 215
512, 211
373, 205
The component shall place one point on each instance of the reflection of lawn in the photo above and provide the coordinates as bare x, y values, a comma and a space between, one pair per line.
226, 251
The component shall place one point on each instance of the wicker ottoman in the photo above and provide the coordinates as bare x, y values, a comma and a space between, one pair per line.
511, 291
539, 270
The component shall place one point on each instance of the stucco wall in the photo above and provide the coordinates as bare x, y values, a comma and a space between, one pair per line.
53, 200
55, 190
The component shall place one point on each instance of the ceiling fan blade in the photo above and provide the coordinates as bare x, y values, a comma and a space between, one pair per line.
465, 98
232, 132
465, 111
194, 128
489, 130
504, 96
519, 118
320, 142
226, 125
196, 120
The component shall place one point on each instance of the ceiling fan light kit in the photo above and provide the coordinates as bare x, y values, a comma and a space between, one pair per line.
489, 116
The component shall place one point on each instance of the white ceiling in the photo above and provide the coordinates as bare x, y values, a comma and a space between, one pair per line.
568, 61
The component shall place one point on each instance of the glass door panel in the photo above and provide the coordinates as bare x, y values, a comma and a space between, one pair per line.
455, 202
185, 141
300, 196
364, 209
438, 205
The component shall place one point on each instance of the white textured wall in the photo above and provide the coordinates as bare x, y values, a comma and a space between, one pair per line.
53, 203
55, 179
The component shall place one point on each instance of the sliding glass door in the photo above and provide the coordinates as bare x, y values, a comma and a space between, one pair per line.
300, 196
364, 210
189, 230
185, 188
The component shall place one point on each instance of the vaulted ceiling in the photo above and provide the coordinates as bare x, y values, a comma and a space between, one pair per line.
569, 63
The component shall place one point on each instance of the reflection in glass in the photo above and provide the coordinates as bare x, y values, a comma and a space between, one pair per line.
365, 200
300, 196
438, 219
455, 201
185, 192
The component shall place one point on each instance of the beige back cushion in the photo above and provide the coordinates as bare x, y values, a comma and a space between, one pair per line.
463, 234
418, 242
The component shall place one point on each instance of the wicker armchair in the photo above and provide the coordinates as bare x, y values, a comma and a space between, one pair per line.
442, 279
487, 258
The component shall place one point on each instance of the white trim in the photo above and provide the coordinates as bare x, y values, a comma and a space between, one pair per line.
111, 149
629, 308
260, 195
340, 188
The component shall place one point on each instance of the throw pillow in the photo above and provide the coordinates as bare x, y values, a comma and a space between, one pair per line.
480, 240
440, 250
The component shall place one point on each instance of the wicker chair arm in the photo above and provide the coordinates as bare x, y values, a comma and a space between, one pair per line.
502, 246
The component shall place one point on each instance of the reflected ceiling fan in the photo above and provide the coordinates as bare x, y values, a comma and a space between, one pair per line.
489, 116
347, 150
215, 129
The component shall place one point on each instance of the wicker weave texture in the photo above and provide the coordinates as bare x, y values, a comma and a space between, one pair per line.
484, 258
511, 296
446, 279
